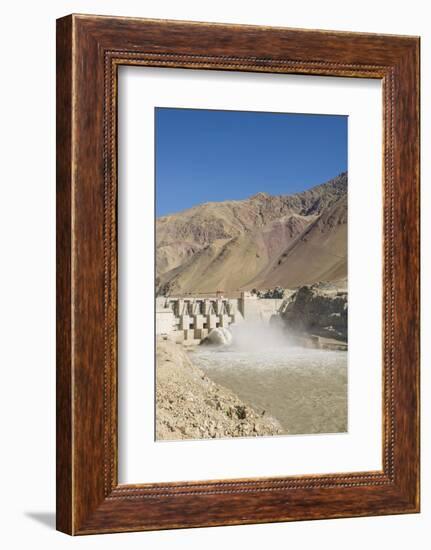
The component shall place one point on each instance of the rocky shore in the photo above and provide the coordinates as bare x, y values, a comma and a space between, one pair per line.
191, 406
320, 309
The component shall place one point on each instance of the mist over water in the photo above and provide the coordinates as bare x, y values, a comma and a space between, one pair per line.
304, 389
259, 336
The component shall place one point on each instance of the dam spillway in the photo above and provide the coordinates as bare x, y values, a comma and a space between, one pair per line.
189, 320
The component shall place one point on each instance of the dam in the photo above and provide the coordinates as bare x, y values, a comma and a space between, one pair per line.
189, 320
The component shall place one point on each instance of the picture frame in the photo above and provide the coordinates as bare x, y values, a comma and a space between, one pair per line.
89, 51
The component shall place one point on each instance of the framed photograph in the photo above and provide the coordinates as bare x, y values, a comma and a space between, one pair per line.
237, 274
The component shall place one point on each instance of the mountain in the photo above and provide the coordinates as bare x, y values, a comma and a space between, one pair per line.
260, 242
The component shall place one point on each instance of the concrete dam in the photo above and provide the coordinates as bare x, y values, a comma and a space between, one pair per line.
190, 320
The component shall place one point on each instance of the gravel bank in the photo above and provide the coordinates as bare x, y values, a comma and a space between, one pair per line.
191, 406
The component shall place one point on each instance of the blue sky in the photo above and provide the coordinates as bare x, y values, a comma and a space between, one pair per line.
204, 155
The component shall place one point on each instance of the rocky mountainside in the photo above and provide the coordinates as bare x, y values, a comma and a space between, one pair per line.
260, 242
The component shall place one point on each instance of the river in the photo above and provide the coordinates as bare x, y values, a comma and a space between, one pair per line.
304, 389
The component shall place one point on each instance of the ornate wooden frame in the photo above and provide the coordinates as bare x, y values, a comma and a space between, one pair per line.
89, 51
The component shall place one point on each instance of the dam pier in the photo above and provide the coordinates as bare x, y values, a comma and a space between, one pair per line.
188, 320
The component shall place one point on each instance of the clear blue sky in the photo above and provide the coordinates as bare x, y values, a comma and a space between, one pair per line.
204, 155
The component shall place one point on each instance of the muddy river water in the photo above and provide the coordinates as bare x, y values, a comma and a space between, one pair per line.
304, 389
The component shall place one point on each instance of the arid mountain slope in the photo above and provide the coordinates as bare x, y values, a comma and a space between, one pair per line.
318, 254
260, 242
